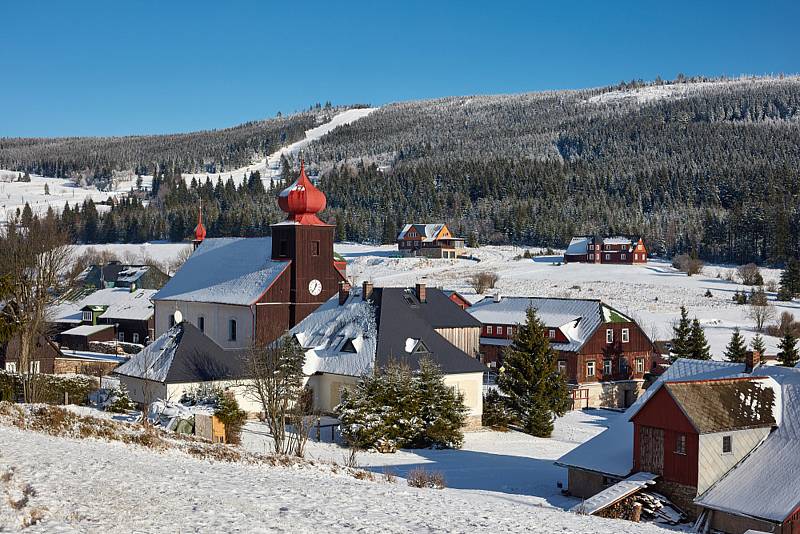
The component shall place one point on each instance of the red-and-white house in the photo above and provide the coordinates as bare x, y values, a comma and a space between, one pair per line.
720, 439
603, 353
431, 240
613, 250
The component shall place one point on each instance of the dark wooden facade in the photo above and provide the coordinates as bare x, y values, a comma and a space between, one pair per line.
132, 331
45, 353
81, 342
628, 360
598, 251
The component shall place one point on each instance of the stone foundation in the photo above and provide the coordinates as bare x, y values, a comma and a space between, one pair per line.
680, 495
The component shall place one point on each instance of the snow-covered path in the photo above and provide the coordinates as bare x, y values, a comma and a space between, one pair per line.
96, 486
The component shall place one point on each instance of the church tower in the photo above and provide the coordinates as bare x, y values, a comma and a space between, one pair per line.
308, 242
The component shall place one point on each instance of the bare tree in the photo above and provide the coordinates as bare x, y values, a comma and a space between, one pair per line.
276, 382
480, 282
761, 310
750, 274
35, 261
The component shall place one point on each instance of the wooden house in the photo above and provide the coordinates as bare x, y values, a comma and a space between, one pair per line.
430, 240
603, 353
118, 274
612, 250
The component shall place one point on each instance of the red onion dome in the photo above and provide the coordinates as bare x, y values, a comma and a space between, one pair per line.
302, 200
200, 230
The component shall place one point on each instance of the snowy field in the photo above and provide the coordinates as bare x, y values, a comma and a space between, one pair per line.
491, 462
14, 195
97, 486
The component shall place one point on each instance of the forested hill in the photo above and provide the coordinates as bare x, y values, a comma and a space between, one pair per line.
712, 166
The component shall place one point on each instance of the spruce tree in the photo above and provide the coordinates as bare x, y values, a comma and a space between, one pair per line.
787, 353
680, 339
536, 391
790, 281
442, 408
698, 346
736, 351
757, 344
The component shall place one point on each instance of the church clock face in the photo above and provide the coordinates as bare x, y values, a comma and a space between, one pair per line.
315, 287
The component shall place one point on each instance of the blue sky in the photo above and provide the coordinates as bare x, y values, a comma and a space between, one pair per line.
114, 68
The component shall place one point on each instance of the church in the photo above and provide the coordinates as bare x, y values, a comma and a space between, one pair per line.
236, 290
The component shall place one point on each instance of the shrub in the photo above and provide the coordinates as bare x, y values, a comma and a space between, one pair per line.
750, 274
421, 478
119, 401
495, 413
480, 282
708, 293
54, 389
688, 264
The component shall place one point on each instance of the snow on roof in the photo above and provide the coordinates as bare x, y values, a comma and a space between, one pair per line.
121, 302
577, 318
225, 271
428, 232
617, 240
93, 356
615, 493
339, 339
86, 330
763, 485
578, 245
133, 273
153, 362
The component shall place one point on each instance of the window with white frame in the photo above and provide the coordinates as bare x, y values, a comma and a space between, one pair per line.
607, 367
489, 329
626, 335
500, 330
609, 335
623, 255
34, 367
121, 336
640, 365
680, 444
562, 366
135, 337
608, 256
590, 368
552, 333
11, 367
510, 331
87, 316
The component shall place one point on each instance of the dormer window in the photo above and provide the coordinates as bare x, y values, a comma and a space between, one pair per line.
87, 316
348, 347
421, 348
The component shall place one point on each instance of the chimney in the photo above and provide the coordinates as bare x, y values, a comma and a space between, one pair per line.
751, 359
497, 297
344, 293
422, 293
366, 291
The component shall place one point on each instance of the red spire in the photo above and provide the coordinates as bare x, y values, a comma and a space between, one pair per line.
302, 201
199, 230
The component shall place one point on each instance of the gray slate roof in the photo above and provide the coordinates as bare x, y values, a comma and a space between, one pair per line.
183, 354
225, 271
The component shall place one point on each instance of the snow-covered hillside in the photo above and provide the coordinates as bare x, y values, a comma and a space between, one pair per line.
98, 486
14, 195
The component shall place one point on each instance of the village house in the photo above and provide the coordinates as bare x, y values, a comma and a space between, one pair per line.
612, 250
48, 357
429, 240
240, 290
603, 354
720, 439
128, 312
363, 329
117, 274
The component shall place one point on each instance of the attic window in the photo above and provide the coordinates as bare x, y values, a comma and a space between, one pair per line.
680, 444
87, 316
421, 348
283, 250
727, 444
348, 347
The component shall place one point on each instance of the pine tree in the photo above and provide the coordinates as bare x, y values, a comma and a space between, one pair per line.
736, 351
341, 235
442, 408
757, 344
680, 339
698, 346
790, 281
787, 353
536, 391
91, 222
27, 216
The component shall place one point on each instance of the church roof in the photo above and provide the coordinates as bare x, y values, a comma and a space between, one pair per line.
231, 270
302, 200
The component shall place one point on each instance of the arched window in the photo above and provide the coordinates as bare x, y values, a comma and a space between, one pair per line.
232, 330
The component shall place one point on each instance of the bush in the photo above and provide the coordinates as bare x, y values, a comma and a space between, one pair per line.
480, 282
750, 275
421, 478
49, 389
687, 264
495, 413
119, 401
232, 417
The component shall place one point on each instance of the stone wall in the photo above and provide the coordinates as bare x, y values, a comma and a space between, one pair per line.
680, 495
584, 484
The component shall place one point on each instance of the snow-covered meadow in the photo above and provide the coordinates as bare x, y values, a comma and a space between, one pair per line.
93, 485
